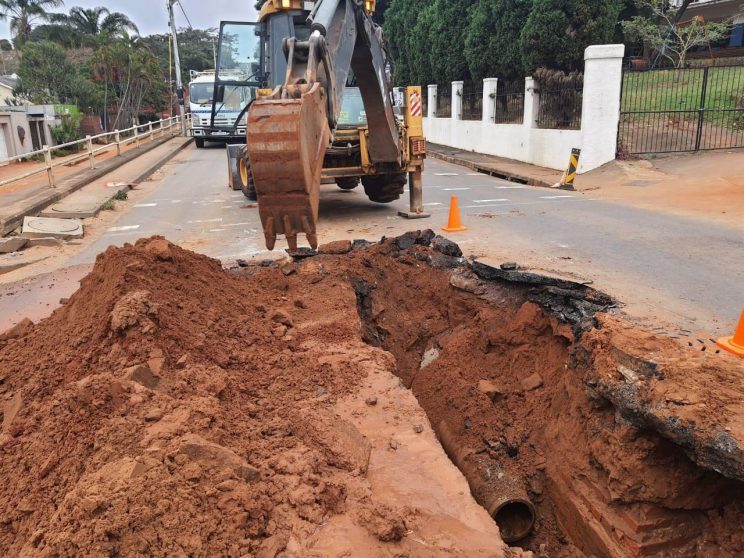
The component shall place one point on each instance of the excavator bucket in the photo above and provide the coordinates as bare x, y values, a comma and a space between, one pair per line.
287, 141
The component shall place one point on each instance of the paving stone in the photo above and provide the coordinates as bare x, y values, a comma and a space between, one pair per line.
16, 260
12, 244
72, 210
36, 227
44, 241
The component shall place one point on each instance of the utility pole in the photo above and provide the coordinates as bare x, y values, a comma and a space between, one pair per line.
177, 61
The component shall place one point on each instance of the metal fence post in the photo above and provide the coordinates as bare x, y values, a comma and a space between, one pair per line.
136, 136
91, 156
149, 129
117, 137
48, 161
701, 110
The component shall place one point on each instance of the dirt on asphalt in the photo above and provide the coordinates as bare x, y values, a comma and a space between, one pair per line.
173, 408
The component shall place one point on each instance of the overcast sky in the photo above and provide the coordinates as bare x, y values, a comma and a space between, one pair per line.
151, 16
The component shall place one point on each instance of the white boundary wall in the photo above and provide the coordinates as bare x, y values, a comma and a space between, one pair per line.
525, 142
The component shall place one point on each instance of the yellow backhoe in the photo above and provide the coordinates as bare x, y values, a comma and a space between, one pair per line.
322, 108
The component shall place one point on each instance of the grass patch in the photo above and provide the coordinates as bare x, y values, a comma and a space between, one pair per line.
682, 90
121, 195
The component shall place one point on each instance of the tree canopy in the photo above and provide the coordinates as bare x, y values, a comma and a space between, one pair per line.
437, 41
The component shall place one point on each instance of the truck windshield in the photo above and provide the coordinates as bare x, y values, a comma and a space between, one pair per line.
201, 93
352, 110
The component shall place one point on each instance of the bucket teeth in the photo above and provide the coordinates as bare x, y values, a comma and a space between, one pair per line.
287, 141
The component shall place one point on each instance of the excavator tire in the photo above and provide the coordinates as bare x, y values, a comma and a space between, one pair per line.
384, 188
246, 177
347, 183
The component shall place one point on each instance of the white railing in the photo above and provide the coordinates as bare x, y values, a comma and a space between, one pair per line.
153, 130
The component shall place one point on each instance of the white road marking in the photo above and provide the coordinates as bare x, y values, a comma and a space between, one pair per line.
445, 174
455, 189
510, 187
554, 197
175, 201
475, 173
491, 201
217, 220
145, 205
236, 224
217, 230
123, 228
432, 204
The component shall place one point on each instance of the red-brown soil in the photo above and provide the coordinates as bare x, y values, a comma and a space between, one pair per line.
173, 408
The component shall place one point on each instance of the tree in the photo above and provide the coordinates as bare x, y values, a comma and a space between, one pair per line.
46, 75
661, 31
23, 14
492, 38
447, 40
401, 35
196, 48
6, 45
93, 22
558, 31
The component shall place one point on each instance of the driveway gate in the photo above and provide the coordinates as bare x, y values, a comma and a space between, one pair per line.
676, 110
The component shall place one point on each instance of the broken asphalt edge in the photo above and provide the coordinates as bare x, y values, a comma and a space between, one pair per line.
37, 203
488, 169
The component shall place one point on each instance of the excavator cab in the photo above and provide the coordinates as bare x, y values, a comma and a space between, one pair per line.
324, 111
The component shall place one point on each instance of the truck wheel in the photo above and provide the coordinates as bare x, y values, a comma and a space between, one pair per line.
347, 183
199, 142
246, 178
384, 188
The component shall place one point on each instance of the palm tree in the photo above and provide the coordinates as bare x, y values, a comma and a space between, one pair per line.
96, 21
23, 14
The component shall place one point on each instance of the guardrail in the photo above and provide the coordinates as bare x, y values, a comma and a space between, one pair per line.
153, 130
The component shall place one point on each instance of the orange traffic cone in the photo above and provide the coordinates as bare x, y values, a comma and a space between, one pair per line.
735, 344
454, 224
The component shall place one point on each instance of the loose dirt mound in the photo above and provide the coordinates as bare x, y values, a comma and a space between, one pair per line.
172, 408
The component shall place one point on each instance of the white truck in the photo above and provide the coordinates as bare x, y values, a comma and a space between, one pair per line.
235, 100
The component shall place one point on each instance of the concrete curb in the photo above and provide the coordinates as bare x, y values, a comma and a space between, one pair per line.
40, 201
489, 170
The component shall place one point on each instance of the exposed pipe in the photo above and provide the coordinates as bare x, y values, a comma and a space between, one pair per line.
502, 494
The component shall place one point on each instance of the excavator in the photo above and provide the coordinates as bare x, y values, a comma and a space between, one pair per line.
322, 108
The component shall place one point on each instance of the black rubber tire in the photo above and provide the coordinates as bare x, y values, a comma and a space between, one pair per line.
347, 183
244, 173
199, 142
384, 188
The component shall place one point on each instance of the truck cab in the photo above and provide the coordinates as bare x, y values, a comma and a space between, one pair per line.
227, 124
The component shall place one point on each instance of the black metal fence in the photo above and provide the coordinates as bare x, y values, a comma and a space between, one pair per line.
560, 108
472, 101
676, 110
444, 102
508, 102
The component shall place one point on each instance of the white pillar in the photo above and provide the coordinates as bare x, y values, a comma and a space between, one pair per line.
399, 97
531, 102
490, 86
457, 89
600, 114
431, 101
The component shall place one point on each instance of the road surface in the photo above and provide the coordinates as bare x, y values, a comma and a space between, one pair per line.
677, 270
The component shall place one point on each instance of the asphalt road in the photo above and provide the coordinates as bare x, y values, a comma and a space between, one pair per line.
684, 271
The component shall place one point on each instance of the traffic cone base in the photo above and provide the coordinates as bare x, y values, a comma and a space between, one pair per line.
454, 224
734, 344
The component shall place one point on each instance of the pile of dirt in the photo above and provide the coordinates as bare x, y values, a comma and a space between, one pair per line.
173, 408
170, 408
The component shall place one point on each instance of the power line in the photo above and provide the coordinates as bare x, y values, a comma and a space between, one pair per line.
180, 5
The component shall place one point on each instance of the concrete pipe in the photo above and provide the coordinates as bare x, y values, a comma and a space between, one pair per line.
502, 494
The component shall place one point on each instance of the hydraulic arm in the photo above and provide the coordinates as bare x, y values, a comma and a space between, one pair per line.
291, 127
